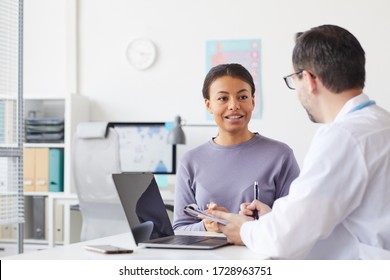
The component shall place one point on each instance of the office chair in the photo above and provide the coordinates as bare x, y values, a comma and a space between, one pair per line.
95, 157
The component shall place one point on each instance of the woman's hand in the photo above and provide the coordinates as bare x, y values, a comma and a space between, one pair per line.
211, 225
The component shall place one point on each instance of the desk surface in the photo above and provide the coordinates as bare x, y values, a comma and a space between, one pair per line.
77, 251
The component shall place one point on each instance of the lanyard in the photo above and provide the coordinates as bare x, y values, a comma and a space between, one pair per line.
361, 106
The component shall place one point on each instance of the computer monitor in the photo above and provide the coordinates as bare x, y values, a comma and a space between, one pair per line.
143, 147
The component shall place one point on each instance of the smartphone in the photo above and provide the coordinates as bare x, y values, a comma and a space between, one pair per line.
193, 211
108, 249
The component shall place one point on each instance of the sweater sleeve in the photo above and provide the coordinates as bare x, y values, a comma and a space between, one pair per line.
184, 195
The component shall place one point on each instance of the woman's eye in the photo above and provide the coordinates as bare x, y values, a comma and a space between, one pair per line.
243, 97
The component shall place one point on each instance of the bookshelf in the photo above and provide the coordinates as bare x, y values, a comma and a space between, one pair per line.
52, 206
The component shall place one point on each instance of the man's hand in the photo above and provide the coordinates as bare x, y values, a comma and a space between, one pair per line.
235, 221
232, 228
246, 208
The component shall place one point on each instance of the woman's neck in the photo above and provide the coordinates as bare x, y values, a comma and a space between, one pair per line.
231, 139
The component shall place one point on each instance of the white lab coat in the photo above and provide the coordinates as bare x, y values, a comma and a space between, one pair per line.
339, 206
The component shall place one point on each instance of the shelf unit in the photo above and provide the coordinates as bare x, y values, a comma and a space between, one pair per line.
73, 109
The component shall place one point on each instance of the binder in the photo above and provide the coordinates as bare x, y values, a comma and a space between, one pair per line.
42, 169
56, 170
46, 214
6, 231
14, 231
59, 223
38, 221
28, 170
28, 217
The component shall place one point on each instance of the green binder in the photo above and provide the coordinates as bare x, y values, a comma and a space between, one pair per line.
56, 170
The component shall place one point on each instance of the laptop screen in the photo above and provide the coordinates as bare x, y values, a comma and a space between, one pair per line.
142, 201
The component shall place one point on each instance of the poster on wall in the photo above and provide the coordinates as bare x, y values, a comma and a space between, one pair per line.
244, 52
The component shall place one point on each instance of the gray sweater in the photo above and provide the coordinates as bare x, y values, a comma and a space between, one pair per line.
225, 175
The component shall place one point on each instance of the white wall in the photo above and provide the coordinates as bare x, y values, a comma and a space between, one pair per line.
180, 29
44, 50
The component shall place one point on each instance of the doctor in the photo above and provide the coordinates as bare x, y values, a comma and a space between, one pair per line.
339, 206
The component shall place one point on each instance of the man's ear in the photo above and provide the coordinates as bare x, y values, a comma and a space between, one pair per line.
311, 81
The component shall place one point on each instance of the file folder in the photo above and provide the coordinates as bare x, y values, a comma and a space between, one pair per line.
56, 170
39, 217
28, 217
59, 223
14, 231
42, 169
28, 170
6, 231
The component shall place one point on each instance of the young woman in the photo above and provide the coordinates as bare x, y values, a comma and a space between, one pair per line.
224, 169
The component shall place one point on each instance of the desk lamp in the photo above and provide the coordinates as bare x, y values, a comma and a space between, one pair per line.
176, 135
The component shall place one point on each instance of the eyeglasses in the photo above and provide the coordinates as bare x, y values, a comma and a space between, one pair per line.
290, 82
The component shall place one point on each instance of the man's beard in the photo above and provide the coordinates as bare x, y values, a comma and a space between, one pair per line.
311, 117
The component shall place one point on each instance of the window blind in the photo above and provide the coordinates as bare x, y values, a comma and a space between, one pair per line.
11, 109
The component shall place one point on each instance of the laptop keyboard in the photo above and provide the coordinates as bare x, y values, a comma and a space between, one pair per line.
185, 239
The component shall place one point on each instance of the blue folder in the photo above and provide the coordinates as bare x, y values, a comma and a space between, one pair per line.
56, 170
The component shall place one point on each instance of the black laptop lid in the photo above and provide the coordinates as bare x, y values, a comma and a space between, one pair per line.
141, 200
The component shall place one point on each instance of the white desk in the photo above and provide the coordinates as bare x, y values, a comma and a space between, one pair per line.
76, 251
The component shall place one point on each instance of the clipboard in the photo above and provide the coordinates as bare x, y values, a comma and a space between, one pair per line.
194, 211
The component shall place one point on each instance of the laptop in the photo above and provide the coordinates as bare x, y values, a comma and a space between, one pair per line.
148, 218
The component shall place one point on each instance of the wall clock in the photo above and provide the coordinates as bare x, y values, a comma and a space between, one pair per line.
141, 53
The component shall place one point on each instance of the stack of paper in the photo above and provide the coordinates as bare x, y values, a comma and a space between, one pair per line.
44, 130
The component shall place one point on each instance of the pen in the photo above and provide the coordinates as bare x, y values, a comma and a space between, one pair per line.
256, 196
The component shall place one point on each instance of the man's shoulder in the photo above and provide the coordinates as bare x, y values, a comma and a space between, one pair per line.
358, 126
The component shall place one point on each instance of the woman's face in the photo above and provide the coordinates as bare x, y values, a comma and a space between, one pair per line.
231, 103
